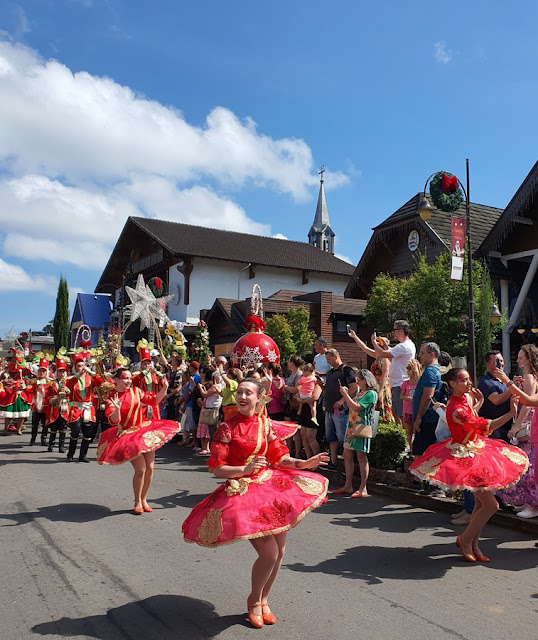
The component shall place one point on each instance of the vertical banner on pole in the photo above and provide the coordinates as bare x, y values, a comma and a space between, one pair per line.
457, 249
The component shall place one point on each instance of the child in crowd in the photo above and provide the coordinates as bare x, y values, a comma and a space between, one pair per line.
306, 385
414, 371
211, 401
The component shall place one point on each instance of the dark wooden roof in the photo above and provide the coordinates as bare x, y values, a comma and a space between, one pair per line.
189, 240
523, 199
483, 218
436, 231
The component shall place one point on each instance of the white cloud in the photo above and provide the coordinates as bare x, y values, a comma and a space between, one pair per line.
280, 236
15, 279
344, 258
81, 153
442, 53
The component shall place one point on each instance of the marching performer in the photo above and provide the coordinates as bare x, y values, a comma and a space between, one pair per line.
81, 387
39, 417
57, 406
17, 396
148, 380
134, 439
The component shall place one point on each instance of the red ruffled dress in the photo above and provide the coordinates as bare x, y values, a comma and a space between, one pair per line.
470, 460
133, 435
265, 503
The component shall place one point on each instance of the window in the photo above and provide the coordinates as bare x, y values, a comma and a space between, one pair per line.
342, 328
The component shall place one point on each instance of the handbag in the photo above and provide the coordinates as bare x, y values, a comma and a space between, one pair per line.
375, 422
362, 431
525, 428
210, 417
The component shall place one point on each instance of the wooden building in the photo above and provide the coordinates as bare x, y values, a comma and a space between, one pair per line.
329, 315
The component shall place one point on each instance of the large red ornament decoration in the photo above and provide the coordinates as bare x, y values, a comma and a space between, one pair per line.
254, 347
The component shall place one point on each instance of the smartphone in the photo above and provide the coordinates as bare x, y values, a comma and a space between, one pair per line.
498, 363
348, 328
376, 332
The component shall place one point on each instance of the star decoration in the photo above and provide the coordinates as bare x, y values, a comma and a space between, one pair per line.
251, 356
271, 355
234, 358
12, 337
145, 306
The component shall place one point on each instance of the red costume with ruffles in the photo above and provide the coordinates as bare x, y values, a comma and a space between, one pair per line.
264, 503
81, 396
470, 460
16, 399
149, 382
133, 435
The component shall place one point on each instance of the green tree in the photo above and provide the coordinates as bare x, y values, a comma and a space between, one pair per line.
61, 317
279, 329
303, 339
436, 308
291, 333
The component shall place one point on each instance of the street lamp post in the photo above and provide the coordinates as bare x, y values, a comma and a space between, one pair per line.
424, 211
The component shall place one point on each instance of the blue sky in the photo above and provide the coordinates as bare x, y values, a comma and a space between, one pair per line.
221, 114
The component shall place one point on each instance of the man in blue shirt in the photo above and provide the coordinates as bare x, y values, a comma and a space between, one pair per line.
429, 384
496, 395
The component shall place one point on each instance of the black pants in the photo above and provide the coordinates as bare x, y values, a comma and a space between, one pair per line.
88, 431
425, 437
38, 417
58, 426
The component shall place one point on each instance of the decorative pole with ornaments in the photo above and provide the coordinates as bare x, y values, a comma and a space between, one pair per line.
255, 347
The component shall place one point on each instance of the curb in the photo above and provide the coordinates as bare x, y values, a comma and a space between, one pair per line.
414, 498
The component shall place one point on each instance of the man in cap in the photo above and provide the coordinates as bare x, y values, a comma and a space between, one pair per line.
57, 406
38, 402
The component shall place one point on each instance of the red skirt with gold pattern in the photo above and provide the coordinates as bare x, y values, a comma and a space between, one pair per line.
268, 503
130, 443
484, 463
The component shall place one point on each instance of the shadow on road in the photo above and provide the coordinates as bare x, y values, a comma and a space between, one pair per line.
179, 499
373, 564
167, 617
66, 512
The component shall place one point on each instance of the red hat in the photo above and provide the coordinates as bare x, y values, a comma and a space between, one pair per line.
77, 357
43, 363
194, 364
144, 354
60, 364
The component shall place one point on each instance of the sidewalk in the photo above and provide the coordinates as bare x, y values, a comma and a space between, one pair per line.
415, 498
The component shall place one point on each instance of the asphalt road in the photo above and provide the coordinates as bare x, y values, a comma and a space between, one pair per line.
77, 564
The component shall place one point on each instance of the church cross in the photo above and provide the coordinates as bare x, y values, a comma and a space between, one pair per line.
321, 172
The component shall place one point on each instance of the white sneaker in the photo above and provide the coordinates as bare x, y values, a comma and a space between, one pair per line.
529, 512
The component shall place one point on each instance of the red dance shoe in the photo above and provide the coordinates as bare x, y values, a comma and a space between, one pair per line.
255, 621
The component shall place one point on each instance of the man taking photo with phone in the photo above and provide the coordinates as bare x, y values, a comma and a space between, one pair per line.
496, 395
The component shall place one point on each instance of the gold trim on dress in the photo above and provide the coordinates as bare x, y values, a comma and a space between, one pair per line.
429, 467
239, 486
101, 449
152, 438
515, 456
211, 527
308, 485
465, 450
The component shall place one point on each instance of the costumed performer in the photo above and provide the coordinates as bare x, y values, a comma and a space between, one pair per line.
134, 439
81, 385
39, 415
148, 380
57, 407
470, 460
266, 493
17, 395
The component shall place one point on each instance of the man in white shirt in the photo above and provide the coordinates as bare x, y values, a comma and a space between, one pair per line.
399, 356
321, 365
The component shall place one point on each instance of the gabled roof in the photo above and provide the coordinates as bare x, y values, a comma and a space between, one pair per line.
517, 207
437, 229
189, 240
483, 218
94, 309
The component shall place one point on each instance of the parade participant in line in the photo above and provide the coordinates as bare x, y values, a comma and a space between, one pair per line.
81, 387
57, 406
38, 402
266, 493
470, 460
134, 439
18, 395
148, 380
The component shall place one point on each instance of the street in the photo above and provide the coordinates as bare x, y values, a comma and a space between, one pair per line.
78, 564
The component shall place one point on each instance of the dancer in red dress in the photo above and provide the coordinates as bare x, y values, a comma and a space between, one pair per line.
470, 460
148, 380
134, 440
266, 493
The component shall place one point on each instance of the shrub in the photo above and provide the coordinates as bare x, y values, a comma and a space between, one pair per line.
387, 447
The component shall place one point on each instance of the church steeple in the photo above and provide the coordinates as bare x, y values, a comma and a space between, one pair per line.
321, 235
